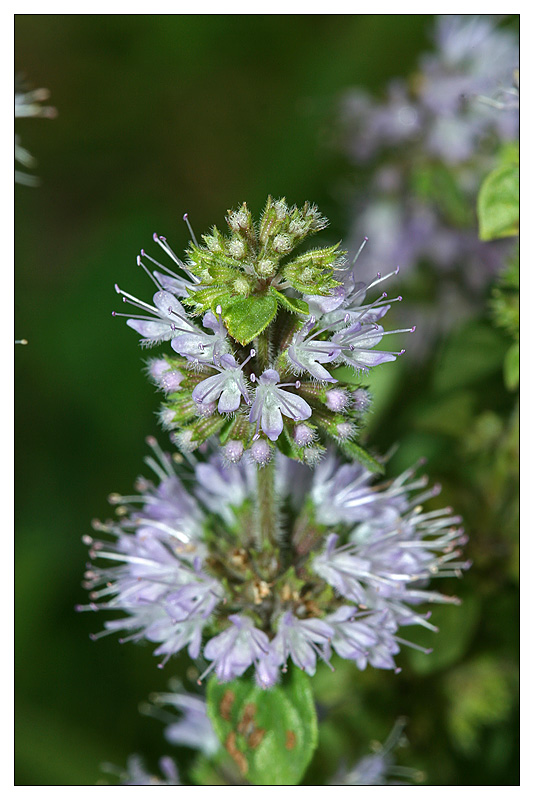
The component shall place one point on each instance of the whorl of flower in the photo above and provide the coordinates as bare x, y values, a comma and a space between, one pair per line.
301, 312
28, 104
427, 145
379, 768
348, 567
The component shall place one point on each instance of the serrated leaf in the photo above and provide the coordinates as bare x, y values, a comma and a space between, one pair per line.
247, 317
498, 203
269, 734
292, 304
358, 453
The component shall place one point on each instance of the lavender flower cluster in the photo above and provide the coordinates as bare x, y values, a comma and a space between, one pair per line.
427, 147
354, 558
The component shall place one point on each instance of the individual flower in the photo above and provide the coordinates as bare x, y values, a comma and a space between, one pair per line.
345, 493
236, 648
192, 728
307, 355
136, 773
379, 768
271, 401
298, 639
363, 638
228, 386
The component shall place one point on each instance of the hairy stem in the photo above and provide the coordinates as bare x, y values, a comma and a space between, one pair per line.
267, 505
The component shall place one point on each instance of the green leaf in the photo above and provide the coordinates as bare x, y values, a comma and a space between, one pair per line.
511, 367
247, 317
358, 453
292, 304
498, 203
269, 734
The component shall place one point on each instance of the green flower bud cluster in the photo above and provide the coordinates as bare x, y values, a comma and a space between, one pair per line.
251, 268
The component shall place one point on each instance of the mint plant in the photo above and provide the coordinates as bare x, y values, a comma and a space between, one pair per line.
270, 540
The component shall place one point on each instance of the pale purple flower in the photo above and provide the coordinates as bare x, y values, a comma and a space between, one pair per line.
222, 487
364, 638
155, 573
308, 354
384, 567
356, 343
455, 128
193, 728
168, 321
379, 553
271, 401
136, 773
164, 376
168, 318
379, 768
302, 640
236, 648
343, 493
199, 346
169, 280
229, 386
345, 571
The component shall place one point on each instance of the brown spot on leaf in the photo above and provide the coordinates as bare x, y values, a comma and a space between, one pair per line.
291, 740
226, 704
235, 754
246, 724
255, 737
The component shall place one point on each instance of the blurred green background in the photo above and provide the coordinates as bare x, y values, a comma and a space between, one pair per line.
159, 115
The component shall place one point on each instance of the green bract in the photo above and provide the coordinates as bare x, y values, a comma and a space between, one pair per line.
244, 271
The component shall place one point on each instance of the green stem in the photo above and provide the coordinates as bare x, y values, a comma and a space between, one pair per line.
267, 506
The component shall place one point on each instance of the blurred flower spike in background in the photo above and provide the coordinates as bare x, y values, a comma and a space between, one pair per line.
28, 103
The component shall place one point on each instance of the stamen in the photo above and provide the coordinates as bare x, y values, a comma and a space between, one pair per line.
190, 229
162, 241
247, 359
152, 277
365, 240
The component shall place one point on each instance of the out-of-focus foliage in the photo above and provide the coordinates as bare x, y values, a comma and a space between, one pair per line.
498, 198
164, 114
